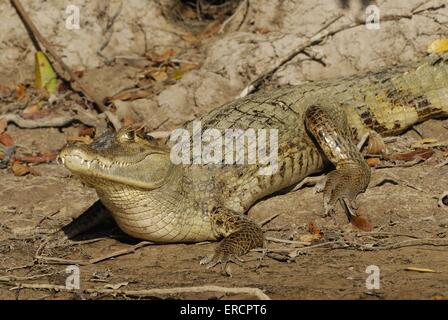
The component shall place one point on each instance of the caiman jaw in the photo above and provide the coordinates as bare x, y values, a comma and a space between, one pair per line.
143, 165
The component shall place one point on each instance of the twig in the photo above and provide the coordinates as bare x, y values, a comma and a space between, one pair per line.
315, 39
376, 233
224, 24
318, 38
440, 165
109, 30
303, 243
149, 292
405, 243
31, 27
46, 217
267, 220
132, 249
57, 121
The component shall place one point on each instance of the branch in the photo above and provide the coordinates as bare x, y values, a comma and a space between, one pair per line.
148, 292
32, 29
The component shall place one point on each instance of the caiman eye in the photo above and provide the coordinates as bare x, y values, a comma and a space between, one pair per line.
148, 137
129, 135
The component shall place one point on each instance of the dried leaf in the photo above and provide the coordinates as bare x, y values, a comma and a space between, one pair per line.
159, 58
131, 94
409, 156
31, 109
314, 229
361, 223
373, 162
158, 74
3, 125
438, 46
168, 53
45, 77
20, 91
19, 169
183, 68
86, 131
419, 270
190, 38
6, 140
40, 158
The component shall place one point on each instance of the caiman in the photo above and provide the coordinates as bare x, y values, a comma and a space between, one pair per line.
318, 123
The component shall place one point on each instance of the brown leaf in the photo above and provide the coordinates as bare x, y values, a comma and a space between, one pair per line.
20, 91
190, 38
19, 169
34, 111
3, 125
314, 229
131, 94
409, 156
86, 131
31, 109
6, 140
168, 53
158, 74
361, 223
40, 158
159, 58
373, 162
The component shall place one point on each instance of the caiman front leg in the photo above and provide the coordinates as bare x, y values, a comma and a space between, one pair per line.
240, 236
329, 128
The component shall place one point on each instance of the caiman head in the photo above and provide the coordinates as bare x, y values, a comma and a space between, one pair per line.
128, 158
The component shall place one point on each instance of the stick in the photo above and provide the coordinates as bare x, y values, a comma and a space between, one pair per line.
315, 39
32, 29
58, 121
267, 220
408, 243
303, 243
375, 233
52, 260
150, 292
318, 38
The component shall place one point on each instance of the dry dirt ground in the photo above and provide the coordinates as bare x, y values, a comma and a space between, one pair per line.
403, 202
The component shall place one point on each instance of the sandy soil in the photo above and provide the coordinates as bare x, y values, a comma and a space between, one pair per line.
410, 229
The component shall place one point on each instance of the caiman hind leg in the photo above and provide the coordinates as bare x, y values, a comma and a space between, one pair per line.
330, 130
240, 236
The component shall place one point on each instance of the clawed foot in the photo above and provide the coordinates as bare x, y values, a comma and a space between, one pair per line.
224, 258
343, 185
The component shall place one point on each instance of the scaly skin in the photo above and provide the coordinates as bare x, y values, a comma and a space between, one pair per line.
319, 122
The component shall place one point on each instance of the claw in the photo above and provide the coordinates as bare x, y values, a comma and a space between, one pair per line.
212, 260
